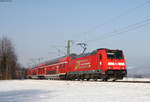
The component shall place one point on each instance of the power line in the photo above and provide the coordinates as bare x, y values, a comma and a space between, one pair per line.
128, 11
119, 16
124, 30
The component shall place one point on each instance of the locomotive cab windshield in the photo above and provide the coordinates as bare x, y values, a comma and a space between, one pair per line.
114, 54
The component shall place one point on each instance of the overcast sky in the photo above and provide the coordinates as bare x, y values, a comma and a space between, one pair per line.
38, 28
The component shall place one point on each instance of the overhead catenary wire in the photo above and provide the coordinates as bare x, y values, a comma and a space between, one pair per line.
113, 33
128, 11
115, 18
123, 30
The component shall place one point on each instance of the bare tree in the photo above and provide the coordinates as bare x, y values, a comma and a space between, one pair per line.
8, 59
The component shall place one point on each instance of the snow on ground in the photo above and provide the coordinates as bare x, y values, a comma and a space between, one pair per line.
136, 79
72, 91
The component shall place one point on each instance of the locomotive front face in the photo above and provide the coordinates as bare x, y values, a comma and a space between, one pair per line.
115, 60
116, 65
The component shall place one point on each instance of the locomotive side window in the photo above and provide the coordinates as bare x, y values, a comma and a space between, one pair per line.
112, 54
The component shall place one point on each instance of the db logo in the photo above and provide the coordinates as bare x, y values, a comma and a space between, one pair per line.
77, 65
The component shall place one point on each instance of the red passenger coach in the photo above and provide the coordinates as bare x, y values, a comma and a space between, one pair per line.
99, 64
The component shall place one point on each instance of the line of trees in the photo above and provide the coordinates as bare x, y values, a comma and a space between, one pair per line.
9, 66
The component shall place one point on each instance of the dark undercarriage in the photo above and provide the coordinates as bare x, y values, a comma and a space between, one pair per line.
97, 74
93, 74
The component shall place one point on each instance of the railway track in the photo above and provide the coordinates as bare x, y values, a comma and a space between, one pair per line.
110, 81
124, 81
133, 81
117, 81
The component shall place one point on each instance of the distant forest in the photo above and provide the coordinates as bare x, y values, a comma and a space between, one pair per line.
9, 66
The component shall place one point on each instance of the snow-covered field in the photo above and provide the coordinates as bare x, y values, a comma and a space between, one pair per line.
72, 91
136, 79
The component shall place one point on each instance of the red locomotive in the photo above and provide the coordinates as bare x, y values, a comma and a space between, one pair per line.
100, 64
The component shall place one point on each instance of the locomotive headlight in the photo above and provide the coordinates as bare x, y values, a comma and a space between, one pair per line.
122, 64
111, 63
